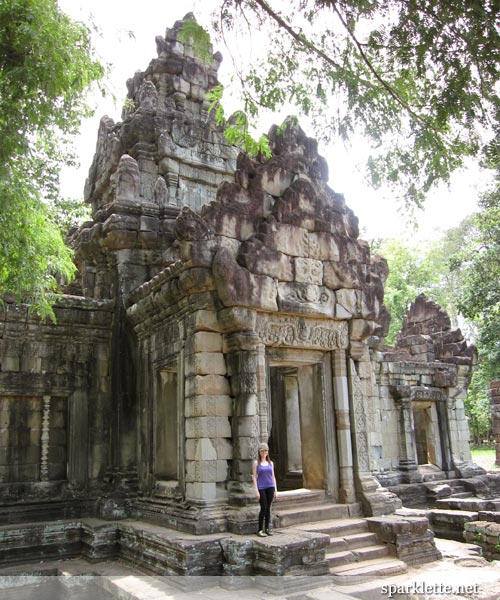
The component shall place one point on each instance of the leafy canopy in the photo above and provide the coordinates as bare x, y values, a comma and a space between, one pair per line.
479, 265
417, 78
46, 66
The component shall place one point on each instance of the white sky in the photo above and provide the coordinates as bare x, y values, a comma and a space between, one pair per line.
379, 213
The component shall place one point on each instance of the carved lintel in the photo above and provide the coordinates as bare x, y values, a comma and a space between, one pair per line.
302, 332
424, 393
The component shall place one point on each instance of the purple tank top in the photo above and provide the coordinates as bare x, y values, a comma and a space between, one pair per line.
264, 476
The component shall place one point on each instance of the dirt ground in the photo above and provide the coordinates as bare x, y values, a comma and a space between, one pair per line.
485, 459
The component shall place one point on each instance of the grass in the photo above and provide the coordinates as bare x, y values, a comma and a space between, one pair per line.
484, 456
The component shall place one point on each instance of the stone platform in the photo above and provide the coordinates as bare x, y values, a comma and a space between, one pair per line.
160, 551
78, 579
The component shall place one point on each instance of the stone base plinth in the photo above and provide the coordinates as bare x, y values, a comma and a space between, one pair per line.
408, 538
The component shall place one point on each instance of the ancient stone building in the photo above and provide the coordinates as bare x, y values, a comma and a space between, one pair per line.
222, 301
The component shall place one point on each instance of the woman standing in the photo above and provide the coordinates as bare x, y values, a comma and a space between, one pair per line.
265, 488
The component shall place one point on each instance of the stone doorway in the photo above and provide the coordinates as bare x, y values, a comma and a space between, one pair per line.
297, 429
166, 429
427, 434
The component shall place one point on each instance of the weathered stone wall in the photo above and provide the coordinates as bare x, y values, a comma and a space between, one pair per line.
55, 402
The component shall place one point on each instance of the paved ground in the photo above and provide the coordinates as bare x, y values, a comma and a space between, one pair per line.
462, 574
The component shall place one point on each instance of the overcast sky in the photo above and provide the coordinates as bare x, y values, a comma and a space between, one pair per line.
126, 42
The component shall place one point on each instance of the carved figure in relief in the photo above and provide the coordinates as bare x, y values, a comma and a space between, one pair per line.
148, 96
191, 227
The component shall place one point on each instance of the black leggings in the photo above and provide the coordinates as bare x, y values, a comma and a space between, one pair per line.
266, 499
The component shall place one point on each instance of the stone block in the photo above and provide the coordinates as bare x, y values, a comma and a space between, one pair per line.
208, 406
197, 254
222, 471
201, 470
203, 320
208, 427
238, 318
306, 299
11, 363
196, 280
275, 180
341, 312
204, 341
149, 224
350, 300
290, 240
237, 286
323, 246
205, 363
201, 491
235, 226
361, 329
308, 270
223, 448
246, 427
340, 275
255, 256
364, 370
247, 404
207, 385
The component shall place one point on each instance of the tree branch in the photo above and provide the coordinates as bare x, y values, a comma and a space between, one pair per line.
382, 82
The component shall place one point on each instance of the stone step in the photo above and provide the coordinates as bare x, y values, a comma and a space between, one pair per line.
359, 572
371, 552
474, 503
337, 559
461, 495
289, 517
301, 496
351, 542
434, 476
449, 524
337, 528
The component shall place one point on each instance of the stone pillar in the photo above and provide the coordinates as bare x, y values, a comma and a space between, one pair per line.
444, 435
407, 450
494, 395
247, 370
343, 424
207, 409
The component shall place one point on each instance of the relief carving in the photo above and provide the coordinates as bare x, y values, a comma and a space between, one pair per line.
360, 430
289, 331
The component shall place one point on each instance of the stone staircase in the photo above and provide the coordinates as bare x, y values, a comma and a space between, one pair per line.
296, 507
354, 554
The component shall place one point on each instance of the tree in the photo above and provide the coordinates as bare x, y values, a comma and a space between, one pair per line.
479, 265
416, 78
420, 268
46, 66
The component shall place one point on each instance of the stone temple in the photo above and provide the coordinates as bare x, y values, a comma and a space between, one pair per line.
222, 301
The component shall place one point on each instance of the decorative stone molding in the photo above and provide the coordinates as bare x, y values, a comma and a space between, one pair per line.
45, 439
